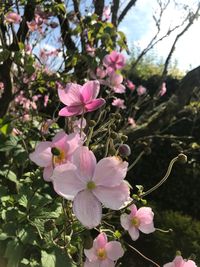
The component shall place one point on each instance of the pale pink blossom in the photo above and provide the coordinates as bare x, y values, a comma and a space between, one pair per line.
119, 103
180, 262
103, 253
130, 85
90, 50
101, 73
80, 99
141, 90
1, 86
63, 144
138, 220
13, 17
90, 184
107, 12
132, 122
163, 89
114, 81
78, 124
114, 61
46, 100
15, 131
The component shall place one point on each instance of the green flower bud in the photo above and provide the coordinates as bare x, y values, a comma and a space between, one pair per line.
55, 151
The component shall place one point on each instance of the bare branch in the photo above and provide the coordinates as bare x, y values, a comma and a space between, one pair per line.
98, 6
125, 11
192, 18
114, 11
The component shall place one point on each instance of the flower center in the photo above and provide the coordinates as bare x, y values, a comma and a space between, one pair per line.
91, 185
135, 221
58, 155
101, 253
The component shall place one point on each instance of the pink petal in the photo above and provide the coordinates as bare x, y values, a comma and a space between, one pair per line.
42, 155
95, 104
90, 91
106, 60
113, 197
114, 250
87, 209
133, 209
147, 228
90, 254
113, 56
60, 141
145, 215
71, 111
134, 233
106, 263
70, 96
110, 172
47, 173
92, 264
66, 182
100, 241
120, 89
125, 221
85, 162
73, 142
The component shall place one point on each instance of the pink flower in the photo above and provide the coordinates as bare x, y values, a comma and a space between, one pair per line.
141, 219
101, 73
114, 61
180, 262
80, 99
77, 125
107, 12
163, 89
90, 50
132, 122
13, 17
141, 90
46, 99
130, 85
103, 253
51, 154
114, 82
89, 184
119, 103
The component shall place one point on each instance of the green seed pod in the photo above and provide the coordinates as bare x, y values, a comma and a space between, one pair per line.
124, 150
91, 123
55, 151
113, 135
124, 138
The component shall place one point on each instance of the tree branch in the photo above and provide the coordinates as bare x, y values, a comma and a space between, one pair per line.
114, 11
125, 11
98, 7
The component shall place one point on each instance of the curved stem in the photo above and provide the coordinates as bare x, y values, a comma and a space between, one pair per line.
169, 169
143, 256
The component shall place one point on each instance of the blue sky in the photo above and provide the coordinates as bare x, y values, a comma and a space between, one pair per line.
139, 28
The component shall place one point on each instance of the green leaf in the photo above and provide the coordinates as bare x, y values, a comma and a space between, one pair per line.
13, 253
55, 258
23, 201
4, 55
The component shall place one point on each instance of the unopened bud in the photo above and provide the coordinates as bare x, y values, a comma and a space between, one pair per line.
113, 135
55, 151
124, 138
91, 123
124, 150
182, 158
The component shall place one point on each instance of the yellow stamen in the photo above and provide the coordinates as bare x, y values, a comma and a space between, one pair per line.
91, 185
135, 221
101, 253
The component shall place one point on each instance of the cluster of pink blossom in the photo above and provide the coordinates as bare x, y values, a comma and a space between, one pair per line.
77, 176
